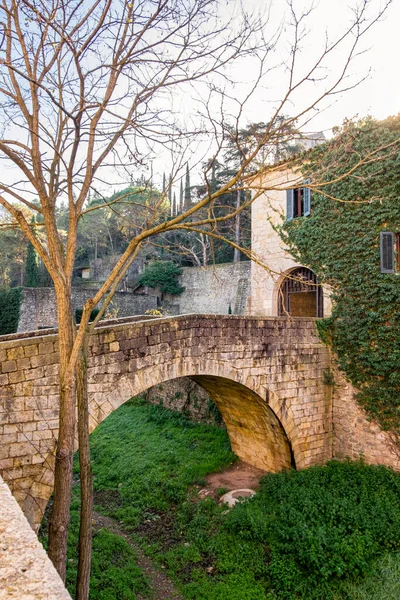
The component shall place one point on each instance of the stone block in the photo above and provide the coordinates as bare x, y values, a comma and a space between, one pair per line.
14, 353
8, 366
46, 348
21, 449
16, 376
34, 374
31, 350
23, 363
4, 380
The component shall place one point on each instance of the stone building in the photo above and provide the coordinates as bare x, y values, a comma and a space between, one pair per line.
285, 287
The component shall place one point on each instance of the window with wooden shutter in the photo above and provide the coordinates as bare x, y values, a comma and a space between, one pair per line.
289, 205
387, 251
298, 202
306, 200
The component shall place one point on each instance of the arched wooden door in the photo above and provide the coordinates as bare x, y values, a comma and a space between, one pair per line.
300, 294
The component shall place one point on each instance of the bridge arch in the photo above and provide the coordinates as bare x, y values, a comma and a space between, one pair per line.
257, 435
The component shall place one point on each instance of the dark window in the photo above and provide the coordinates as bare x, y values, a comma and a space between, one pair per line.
387, 239
298, 202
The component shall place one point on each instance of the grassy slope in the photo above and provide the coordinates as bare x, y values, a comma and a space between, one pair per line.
328, 533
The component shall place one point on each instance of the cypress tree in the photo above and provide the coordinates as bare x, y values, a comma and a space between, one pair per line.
174, 211
170, 191
180, 206
31, 265
187, 189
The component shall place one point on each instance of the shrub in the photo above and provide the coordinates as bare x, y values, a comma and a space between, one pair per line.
162, 274
10, 303
321, 525
79, 311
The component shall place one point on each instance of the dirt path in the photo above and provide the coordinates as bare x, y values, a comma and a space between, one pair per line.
237, 476
161, 586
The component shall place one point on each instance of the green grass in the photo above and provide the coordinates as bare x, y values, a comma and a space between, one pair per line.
326, 533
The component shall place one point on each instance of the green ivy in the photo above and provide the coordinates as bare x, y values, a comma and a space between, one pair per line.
10, 302
340, 242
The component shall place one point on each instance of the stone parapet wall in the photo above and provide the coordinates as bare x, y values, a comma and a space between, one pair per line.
26, 572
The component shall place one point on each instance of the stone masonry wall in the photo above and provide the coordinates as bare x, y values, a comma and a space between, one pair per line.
185, 396
354, 434
212, 289
38, 308
26, 572
208, 290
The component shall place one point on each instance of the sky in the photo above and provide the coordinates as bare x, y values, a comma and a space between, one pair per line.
378, 62
378, 95
375, 66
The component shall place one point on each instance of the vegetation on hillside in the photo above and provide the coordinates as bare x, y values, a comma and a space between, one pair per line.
327, 533
340, 241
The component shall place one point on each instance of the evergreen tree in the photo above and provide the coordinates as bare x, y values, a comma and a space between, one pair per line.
179, 208
187, 202
174, 211
31, 265
170, 191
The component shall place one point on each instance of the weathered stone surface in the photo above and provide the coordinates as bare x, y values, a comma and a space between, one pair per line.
26, 572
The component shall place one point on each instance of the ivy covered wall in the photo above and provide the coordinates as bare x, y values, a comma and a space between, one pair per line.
340, 242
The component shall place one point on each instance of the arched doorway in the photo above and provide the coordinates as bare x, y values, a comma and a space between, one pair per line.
300, 294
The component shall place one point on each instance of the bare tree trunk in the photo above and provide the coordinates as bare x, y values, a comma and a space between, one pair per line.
85, 530
59, 521
236, 252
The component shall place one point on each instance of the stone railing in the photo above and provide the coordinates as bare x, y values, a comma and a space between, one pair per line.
26, 572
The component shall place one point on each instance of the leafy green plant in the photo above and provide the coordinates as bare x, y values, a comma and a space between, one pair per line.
79, 311
340, 242
10, 303
163, 275
324, 533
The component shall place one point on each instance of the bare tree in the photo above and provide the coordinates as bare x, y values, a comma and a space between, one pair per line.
83, 89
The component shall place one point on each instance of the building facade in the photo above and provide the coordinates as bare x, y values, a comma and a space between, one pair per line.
279, 285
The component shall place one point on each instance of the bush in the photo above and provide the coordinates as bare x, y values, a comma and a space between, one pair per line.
321, 525
162, 274
10, 303
79, 311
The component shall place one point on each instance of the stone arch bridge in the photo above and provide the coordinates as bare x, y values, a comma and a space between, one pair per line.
270, 378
